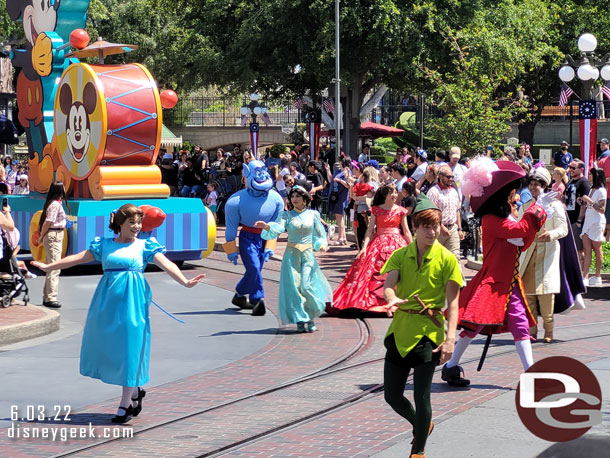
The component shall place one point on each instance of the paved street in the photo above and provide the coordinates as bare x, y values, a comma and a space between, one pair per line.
221, 384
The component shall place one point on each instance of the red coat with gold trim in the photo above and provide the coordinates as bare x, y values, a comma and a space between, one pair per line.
483, 301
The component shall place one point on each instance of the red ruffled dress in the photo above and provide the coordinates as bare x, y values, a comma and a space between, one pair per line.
362, 287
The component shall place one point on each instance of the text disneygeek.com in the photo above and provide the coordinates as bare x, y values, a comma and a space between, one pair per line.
65, 433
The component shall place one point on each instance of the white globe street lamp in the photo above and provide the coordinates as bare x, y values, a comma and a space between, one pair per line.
587, 42
605, 72
567, 74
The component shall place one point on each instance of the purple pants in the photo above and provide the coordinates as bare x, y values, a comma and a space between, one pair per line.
515, 318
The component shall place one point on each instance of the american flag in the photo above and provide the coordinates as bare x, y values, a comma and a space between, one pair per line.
606, 90
565, 95
299, 103
328, 105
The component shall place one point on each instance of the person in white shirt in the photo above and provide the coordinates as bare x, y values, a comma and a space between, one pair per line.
421, 159
399, 173
458, 169
363, 157
23, 186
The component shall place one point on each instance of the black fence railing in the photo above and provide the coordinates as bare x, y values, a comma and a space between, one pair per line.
389, 115
224, 112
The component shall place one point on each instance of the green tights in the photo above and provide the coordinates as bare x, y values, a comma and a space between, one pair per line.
395, 381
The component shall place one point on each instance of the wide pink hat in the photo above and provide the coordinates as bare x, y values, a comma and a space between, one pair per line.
484, 178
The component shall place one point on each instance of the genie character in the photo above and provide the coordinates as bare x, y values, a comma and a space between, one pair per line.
258, 202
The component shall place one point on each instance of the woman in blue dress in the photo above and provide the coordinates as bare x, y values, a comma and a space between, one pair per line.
116, 338
304, 289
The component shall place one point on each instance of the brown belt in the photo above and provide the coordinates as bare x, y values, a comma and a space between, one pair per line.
425, 310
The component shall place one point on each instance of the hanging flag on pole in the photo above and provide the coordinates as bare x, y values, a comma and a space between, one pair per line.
266, 119
254, 138
606, 90
299, 103
328, 105
313, 118
587, 115
564, 96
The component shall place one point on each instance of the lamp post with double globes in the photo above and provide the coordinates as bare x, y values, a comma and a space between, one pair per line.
588, 68
253, 109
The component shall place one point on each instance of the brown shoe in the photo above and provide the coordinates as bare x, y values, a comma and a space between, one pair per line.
418, 455
548, 340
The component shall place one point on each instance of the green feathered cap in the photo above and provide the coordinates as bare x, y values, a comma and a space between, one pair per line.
423, 203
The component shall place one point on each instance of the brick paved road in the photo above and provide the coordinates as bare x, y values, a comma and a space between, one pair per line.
361, 428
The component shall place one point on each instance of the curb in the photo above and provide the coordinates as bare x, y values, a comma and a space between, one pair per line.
473, 265
14, 333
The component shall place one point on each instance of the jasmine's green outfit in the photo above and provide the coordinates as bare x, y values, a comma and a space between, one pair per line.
304, 289
411, 336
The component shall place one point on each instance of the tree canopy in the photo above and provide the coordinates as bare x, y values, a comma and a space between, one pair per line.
482, 62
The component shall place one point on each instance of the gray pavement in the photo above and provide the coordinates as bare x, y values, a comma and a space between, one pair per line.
493, 430
45, 371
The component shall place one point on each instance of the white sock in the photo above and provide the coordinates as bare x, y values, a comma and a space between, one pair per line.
126, 398
524, 349
460, 348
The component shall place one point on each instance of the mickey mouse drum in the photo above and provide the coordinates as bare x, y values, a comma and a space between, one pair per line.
106, 115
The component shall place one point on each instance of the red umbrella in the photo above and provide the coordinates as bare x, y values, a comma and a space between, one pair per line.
371, 129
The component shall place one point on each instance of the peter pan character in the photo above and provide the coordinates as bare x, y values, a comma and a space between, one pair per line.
422, 277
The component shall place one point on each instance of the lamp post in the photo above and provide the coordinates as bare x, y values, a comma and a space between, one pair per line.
254, 109
588, 68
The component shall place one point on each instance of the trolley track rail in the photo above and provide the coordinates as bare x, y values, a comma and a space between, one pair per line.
331, 369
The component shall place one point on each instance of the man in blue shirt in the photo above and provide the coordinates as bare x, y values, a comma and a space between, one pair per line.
563, 157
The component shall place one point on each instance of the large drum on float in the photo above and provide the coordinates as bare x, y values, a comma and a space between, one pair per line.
108, 116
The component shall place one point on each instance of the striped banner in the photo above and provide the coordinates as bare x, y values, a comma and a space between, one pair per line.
314, 139
254, 138
587, 114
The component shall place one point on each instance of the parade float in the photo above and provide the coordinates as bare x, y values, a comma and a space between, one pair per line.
96, 128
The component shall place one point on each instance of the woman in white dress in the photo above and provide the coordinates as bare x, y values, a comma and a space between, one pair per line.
592, 233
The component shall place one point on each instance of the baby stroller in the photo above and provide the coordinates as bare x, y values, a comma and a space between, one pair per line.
12, 281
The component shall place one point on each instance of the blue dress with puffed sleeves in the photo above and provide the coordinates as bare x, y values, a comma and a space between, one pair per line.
116, 338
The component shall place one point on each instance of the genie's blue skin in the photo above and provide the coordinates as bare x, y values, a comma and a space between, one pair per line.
258, 202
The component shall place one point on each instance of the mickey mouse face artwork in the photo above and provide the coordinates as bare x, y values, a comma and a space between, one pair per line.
80, 121
78, 126
37, 15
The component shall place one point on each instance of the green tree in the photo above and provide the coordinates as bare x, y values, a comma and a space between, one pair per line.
464, 55
470, 68
540, 84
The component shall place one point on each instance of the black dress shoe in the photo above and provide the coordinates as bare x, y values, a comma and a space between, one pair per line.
241, 302
259, 308
137, 409
123, 418
52, 304
453, 376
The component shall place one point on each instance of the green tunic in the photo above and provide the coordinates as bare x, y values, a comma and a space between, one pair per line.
438, 267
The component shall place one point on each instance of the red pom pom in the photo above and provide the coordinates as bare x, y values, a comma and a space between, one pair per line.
169, 99
79, 38
153, 217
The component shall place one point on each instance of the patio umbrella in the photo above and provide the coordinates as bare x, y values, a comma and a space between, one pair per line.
102, 48
371, 129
